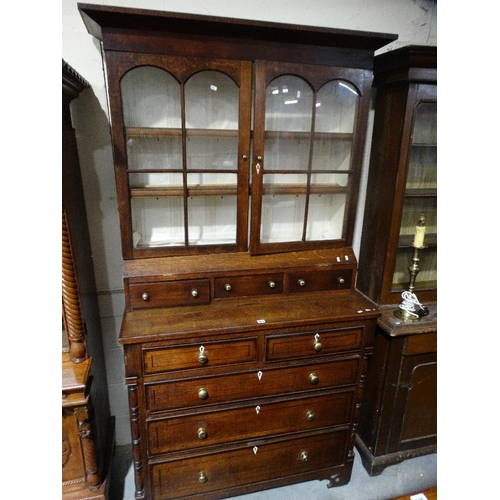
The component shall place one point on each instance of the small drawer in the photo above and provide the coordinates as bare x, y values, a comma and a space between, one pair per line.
315, 281
250, 464
208, 391
261, 419
169, 293
242, 286
314, 343
166, 359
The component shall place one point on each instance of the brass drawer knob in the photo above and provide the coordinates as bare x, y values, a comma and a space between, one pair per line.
301, 282
341, 281
202, 393
317, 344
272, 284
194, 293
313, 378
145, 296
202, 357
310, 416
228, 287
202, 477
202, 433
304, 456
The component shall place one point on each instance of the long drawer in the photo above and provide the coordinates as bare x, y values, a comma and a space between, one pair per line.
252, 463
206, 391
261, 419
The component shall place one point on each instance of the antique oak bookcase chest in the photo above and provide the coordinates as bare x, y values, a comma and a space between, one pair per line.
238, 149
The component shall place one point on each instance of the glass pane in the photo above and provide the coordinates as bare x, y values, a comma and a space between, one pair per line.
212, 153
412, 209
332, 154
325, 218
212, 101
282, 218
157, 221
426, 278
154, 153
151, 180
422, 169
283, 213
336, 107
333, 180
425, 124
283, 153
151, 97
274, 182
212, 213
289, 105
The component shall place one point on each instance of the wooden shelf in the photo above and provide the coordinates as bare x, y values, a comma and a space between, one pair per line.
406, 240
339, 136
302, 189
421, 193
217, 133
177, 132
419, 286
424, 145
231, 190
160, 191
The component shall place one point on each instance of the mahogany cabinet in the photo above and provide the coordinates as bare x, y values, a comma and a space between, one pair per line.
87, 426
398, 419
238, 148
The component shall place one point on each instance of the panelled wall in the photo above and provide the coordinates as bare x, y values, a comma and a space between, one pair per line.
414, 21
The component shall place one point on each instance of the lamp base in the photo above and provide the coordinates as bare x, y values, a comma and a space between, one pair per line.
405, 315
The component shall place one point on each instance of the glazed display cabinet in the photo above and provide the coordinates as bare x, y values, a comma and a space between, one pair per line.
238, 149
399, 415
402, 178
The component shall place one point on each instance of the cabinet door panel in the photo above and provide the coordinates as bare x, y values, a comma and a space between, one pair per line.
306, 165
185, 130
420, 195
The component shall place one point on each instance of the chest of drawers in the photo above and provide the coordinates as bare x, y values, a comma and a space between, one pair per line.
248, 393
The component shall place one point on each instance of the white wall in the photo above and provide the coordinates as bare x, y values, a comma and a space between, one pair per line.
413, 20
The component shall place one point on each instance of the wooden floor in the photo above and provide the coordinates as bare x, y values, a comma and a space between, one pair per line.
430, 494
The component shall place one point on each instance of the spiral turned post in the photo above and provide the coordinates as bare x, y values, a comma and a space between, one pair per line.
71, 302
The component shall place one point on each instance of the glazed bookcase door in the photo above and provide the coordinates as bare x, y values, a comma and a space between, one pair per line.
181, 177
420, 196
306, 161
